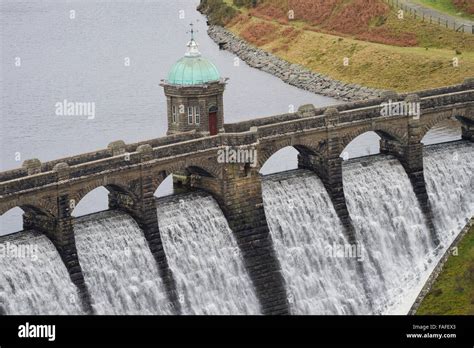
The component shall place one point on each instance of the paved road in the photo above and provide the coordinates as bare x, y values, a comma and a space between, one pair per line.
453, 22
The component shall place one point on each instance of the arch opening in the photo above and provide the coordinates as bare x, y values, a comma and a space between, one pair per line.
370, 143
165, 187
174, 182
12, 221
94, 201
194, 170
365, 144
21, 218
282, 160
443, 131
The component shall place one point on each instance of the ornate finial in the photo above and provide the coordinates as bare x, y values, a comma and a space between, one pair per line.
193, 50
192, 31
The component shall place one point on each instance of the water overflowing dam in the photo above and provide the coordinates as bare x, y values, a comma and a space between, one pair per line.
119, 269
390, 230
391, 227
304, 225
204, 257
395, 253
34, 280
397, 248
449, 171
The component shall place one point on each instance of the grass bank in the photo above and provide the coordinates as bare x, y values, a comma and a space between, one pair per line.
376, 48
453, 290
457, 8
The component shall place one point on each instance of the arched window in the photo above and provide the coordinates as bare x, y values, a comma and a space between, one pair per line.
190, 115
197, 114
174, 109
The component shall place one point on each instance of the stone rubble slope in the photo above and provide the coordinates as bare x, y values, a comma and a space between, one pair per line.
293, 74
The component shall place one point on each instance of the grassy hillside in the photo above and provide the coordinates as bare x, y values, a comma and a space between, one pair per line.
453, 291
459, 8
382, 50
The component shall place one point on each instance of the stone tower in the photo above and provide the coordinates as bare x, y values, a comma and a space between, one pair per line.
194, 93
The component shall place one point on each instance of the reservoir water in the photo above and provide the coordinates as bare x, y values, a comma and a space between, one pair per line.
49, 57
84, 59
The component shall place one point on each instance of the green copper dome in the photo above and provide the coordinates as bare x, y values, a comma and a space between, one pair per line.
193, 69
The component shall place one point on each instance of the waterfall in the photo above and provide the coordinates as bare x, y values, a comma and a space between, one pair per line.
304, 227
204, 257
390, 224
449, 175
397, 251
383, 275
119, 269
33, 278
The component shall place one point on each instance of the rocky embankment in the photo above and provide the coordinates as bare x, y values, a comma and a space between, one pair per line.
292, 74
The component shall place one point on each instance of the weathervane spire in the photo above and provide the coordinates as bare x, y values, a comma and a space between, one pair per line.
193, 50
192, 31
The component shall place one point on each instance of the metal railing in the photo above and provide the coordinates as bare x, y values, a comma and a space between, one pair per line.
458, 25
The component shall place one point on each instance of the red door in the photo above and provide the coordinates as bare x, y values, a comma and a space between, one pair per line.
213, 123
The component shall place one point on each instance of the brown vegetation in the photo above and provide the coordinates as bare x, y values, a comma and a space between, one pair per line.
408, 54
465, 5
362, 19
269, 11
260, 33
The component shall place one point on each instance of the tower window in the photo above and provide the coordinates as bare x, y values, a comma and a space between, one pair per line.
197, 114
174, 109
190, 115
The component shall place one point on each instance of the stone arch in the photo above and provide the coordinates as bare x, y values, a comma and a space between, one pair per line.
266, 152
205, 165
387, 133
42, 206
209, 165
27, 208
438, 119
199, 167
21, 219
113, 186
159, 176
199, 171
